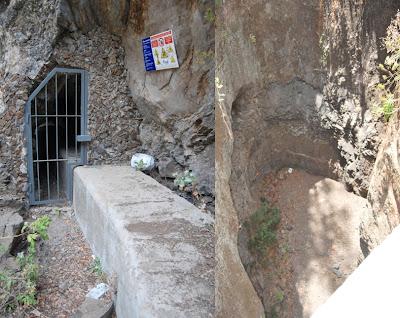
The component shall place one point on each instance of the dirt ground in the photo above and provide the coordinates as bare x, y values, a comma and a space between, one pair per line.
65, 265
317, 245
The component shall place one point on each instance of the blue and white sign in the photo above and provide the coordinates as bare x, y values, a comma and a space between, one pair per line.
159, 52
148, 55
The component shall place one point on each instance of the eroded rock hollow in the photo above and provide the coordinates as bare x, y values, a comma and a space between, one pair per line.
301, 133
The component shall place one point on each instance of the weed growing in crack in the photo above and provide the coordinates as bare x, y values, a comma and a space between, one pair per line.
210, 15
57, 211
285, 248
19, 289
97, 268
187, 178
279, 296
261, 227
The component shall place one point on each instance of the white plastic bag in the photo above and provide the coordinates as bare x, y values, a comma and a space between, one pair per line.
142, 162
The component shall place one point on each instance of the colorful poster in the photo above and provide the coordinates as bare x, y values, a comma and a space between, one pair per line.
159, 52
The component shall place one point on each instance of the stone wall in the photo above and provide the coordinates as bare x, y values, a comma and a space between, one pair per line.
28, 32
113, 119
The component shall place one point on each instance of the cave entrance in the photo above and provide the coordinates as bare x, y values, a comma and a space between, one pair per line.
56, 129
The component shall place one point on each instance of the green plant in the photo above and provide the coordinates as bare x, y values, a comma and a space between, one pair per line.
96, 267
285, 248
272, 313
253, 38
20, 288
201, 57
388, 88
57, 211
140, 165
209, 15
279, 296
2, 248
261, 226
185, 179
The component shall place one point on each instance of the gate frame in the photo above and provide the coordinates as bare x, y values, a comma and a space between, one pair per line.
28, 131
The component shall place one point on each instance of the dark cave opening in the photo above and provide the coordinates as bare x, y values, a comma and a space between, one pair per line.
55, 123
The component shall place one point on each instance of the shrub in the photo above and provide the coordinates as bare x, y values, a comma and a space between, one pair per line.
261, 226
389, 86
19, 289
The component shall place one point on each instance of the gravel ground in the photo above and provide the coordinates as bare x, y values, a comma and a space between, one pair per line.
65, 265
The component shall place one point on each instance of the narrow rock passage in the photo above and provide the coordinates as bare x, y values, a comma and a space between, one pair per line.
317, 246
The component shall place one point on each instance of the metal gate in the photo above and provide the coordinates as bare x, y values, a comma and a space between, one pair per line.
56, 132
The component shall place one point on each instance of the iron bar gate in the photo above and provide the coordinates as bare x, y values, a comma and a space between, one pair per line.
55, 129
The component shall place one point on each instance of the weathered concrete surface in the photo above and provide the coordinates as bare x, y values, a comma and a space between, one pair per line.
372, 290
160, 246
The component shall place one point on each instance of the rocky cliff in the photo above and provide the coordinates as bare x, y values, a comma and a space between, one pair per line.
167, 114
298, 95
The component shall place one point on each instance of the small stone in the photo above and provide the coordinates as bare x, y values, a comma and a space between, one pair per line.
64, 286
168, 168
9, 264
98, 291
92, 308
10, 223
36, 313
336, 270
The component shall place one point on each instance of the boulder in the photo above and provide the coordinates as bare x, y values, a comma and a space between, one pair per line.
10, 224
94, 308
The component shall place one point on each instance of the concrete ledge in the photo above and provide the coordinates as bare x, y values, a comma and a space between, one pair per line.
160, 246
372, 290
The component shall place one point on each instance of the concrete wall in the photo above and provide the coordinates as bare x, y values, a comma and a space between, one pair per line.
159, 245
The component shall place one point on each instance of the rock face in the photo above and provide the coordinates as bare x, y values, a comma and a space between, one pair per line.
177, 105
297, 95
167, 114
351, 48
10, 223
384, 190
